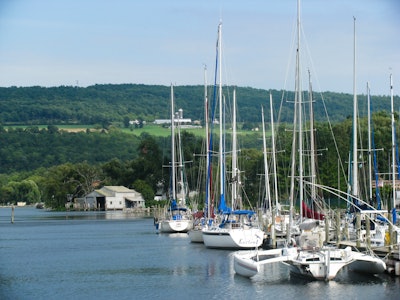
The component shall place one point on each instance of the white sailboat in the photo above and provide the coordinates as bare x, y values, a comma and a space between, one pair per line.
236, 229
177, 217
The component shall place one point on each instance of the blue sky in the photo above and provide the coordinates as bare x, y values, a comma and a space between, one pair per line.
85, 42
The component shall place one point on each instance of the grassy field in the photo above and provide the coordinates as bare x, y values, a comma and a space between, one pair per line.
151, 129
71, 128
155, 130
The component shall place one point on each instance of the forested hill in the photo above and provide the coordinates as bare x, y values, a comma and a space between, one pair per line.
105, 104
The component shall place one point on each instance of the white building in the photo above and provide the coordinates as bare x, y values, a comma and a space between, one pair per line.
178, 119
168, 121
113, 198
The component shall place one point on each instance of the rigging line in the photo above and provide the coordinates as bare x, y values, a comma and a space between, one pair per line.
293, 45
310, 60
323, 101
375, 163
334, 139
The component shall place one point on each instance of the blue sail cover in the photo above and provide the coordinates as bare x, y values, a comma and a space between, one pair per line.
174, 207
244, 212
222, 208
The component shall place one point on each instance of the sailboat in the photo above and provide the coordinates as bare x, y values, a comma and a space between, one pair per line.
318, 262
177, 217
236, 228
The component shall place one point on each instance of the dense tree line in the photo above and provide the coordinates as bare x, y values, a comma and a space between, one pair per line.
48, 164
109, 103
31, 148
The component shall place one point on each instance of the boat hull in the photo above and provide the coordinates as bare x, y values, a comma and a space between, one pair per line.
367, 264
316, 271
320, 265
239, 238
196, 235
170, 226
249, 263
245, 265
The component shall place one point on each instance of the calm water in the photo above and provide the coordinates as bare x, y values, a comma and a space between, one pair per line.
115, 255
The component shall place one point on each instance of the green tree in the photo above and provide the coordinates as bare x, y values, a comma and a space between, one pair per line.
59, 181
6, 194
115, 172
145, 189
24, 191
126, 122
148, 166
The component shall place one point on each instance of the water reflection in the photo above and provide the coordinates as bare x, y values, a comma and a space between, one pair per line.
24, 214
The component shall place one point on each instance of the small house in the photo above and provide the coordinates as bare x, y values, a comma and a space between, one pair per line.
113, 198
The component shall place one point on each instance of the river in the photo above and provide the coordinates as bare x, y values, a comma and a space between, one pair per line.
118, 255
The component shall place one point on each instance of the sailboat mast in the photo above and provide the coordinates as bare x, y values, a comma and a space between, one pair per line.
355, 190
295, 128
393, 204
207, 181
173, 145
221, 148
312, 144
182, 191
234, 156
299, 101
369, 143
266, 171
273, 151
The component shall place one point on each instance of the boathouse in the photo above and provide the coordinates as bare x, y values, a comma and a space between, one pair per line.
113, 198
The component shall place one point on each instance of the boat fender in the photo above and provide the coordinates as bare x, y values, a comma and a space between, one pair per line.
293, 242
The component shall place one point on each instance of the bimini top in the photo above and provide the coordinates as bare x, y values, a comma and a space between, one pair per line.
243, 212
238, 212
174, 206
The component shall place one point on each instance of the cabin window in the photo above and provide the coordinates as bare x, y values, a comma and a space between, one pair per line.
313, 259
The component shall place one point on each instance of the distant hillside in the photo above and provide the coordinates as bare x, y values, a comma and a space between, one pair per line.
109, 103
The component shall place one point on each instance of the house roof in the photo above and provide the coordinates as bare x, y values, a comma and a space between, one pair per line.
111, 190
133, 199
